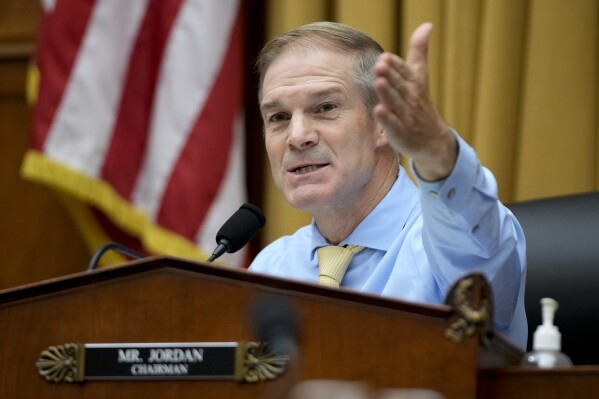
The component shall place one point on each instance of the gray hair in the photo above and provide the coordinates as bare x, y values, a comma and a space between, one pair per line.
329, 35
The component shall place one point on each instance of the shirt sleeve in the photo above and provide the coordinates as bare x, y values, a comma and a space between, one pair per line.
466, 229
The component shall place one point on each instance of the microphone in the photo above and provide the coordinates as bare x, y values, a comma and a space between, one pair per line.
238, 230
275, 322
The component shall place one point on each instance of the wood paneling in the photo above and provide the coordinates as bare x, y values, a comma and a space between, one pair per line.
38, 240
18, 20
579, 382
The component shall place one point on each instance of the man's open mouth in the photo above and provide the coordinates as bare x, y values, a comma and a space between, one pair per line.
307, 168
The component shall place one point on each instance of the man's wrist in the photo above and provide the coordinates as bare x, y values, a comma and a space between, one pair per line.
438, 163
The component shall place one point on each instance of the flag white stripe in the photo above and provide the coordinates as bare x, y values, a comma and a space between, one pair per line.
81, 130
192, 59
231, 195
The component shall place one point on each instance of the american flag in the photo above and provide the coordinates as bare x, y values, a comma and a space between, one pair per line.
139, 115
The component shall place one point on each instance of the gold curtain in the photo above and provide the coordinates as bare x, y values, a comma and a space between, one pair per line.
518, 79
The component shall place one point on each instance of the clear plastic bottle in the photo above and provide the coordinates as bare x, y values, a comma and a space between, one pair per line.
547, 341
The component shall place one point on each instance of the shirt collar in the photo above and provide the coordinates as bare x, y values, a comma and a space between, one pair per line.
378, 230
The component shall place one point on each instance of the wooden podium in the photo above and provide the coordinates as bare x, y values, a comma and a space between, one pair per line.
341, 334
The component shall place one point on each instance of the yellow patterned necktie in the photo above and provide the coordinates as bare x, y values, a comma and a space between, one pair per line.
333, 262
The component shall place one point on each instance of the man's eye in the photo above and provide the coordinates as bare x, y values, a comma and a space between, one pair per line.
278, 117
327, 107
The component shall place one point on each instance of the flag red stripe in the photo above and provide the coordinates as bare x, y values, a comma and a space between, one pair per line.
61, 33
200, 170
127, 148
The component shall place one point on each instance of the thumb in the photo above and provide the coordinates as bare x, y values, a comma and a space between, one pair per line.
418, 50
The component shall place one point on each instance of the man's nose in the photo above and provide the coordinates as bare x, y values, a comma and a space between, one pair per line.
302, 133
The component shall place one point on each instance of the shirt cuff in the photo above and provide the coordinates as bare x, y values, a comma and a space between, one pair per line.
456, 187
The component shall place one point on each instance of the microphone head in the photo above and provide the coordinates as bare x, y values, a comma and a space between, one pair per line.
274, 320
241, 227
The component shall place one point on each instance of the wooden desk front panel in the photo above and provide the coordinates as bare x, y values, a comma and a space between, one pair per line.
581, 382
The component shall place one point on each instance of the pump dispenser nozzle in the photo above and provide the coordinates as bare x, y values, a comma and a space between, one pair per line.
549, 307
547, 340
547, 336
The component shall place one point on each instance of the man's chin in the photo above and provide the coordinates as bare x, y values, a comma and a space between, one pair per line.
307, 202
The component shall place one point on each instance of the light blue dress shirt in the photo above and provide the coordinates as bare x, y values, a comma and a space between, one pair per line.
420, 241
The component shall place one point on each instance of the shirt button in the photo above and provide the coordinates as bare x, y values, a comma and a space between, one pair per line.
451, 193
475, 229
433, 194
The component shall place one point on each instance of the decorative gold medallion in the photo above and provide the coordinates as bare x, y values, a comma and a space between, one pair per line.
261, 365
464, 295
62, 363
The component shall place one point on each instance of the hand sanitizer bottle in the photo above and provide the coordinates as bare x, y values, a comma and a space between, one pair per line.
547, 341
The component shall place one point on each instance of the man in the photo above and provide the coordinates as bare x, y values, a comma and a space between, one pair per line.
337, 112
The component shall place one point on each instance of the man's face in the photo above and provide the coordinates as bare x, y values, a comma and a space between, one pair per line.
320, 141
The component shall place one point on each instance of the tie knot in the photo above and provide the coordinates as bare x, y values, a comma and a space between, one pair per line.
333, 262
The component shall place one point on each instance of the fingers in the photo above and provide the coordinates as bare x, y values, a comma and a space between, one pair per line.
391, 82
392, 67
397, 79
390, 121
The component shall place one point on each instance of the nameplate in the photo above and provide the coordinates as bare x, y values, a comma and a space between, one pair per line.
243, 362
